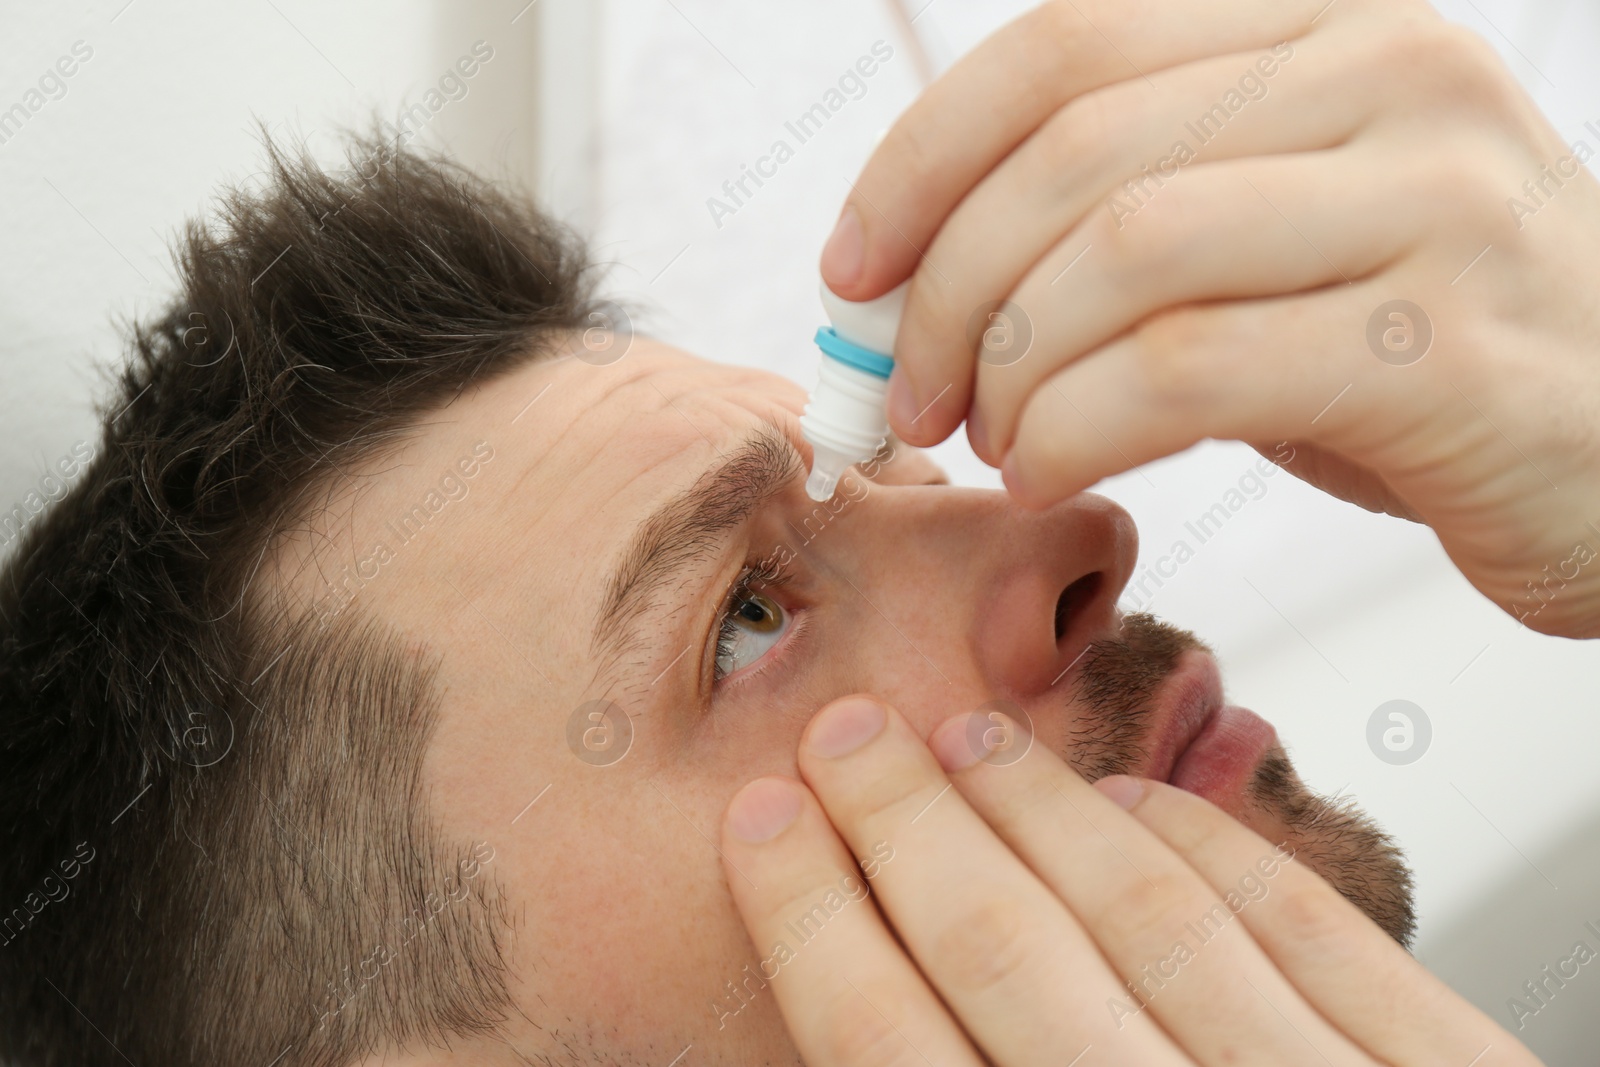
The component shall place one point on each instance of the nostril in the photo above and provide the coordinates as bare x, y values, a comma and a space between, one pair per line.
1073, 598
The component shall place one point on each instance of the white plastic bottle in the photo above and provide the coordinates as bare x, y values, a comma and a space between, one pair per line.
847, 418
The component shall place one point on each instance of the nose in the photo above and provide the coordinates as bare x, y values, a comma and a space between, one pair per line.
995, 601
1046, 587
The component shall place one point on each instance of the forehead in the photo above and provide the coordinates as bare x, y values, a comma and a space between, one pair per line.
535, 479
618, 441
642, 428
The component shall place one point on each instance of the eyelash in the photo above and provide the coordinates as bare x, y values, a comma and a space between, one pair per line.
742, 586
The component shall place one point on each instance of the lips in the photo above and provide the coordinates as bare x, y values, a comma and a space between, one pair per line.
1199, 744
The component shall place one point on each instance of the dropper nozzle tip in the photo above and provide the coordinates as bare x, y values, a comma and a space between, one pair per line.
821, 484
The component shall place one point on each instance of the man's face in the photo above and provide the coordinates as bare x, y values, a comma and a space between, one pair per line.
582, 584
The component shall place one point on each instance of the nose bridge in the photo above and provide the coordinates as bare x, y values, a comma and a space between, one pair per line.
962, 589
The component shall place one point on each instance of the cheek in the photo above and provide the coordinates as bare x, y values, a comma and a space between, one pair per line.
629, 932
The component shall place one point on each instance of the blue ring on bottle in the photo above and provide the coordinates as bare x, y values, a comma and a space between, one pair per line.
865, 359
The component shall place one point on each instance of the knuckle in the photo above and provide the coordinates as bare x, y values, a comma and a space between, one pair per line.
1026, 797
1144, 907
1411, 9
1456, 52
1170, 349
1126, 238
1309, 915
1466, 190
826, 893
1390, 52
896, 795
1078, 138
1154, 230
1060, 23
859, 1034
985, 945
1068, 29
1463, 70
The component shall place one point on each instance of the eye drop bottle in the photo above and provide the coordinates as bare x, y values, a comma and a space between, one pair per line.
847, 419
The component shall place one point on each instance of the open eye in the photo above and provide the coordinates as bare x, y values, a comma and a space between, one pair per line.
751, 625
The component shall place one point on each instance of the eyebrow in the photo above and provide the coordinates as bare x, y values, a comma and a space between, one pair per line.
694, 526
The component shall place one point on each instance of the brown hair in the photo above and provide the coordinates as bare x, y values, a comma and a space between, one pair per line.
235, 789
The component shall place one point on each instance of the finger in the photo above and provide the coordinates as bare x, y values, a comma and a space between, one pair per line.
1223, 231
1334, 474
970, 118
1296, 368
1158, 921
1108, 153
1019, 972
848, 994
1356, 975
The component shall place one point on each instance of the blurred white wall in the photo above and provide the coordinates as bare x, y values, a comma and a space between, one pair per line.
628, 115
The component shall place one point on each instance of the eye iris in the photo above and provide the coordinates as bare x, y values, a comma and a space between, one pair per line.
758, 613
750, 627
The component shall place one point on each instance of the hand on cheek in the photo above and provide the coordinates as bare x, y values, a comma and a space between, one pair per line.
1012, 904
845, 988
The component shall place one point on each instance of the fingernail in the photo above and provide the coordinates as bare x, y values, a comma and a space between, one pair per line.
958, 745
844, 256
763, 809
903, 410
845, 726
1122, 789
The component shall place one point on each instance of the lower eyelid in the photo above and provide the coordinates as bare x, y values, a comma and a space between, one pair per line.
774, 655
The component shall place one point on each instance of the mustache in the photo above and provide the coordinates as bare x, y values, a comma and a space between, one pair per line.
1332, 836
1119, 676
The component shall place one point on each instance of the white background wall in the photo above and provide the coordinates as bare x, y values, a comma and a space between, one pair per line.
1319, 611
